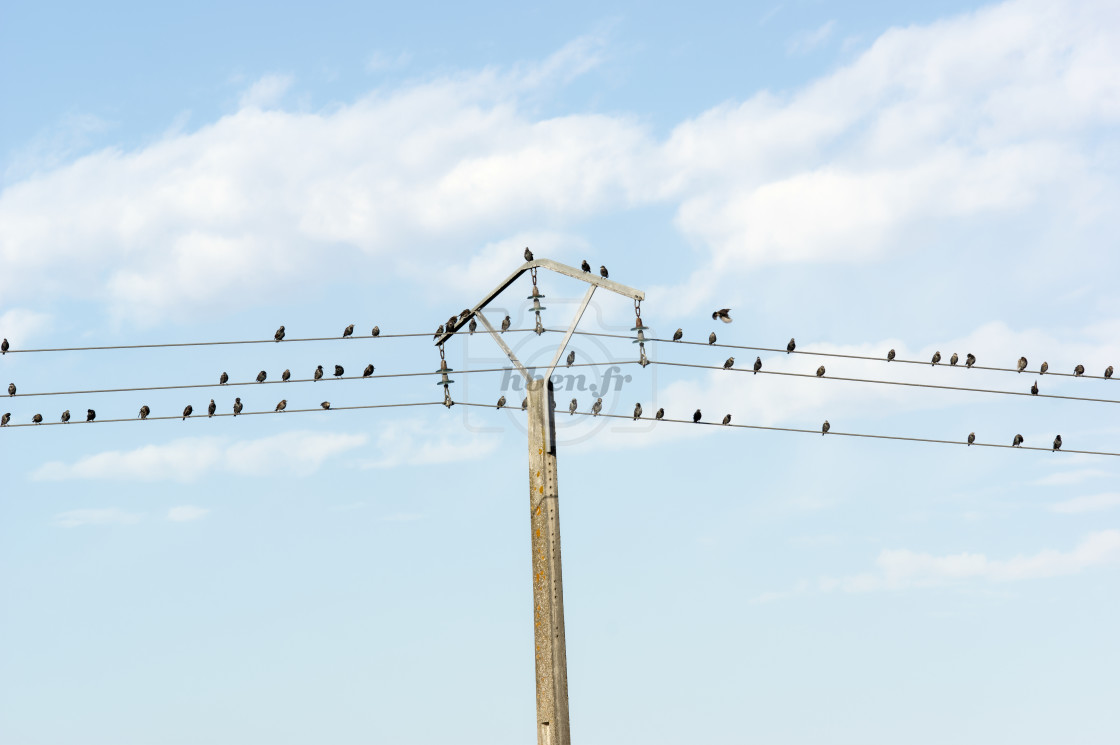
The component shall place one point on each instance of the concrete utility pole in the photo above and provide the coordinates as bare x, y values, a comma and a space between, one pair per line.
544, 508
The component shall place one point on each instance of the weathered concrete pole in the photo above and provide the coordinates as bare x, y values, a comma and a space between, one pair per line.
548, 585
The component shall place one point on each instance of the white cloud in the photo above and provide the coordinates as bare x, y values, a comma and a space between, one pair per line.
188, 459
186, 513
416, 442
21, 326
266, 92
1091, 503
902, 569
1070, 478
808, 40
107, 516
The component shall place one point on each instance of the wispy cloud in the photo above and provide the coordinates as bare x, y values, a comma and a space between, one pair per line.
106, 516
265, 92
806, 41
1092, 503
1070, 478
186, 513
416, 442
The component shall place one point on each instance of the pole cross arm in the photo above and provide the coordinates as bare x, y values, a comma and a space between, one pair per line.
557, 267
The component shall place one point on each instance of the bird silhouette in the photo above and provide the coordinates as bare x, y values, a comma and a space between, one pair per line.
261, 376
637, 410
1034, 388
237, 406
5, 419
727, 419
723, 314
603, 272
211, 409
757, 365
528, 254
678, 335
936, 358
791, 346
66, 416
1057, 443
585, 266
954, 359
971, 438
4, 347
890, 356
144, 411
825, 427
473, 326
376, 331
318, 373
38, 418
571, 357
1108, 372
223, 379
338, 371
1042, 370
282, 405
729, 363
505, 324
820, 371
326, 404
501, 402
452, 322
439, 332
712, 338
279, 335
11, 389
660, 414
969, 359
696, 416
348, 331
368, 371
464, 315
596, 407
1017, 442
1022, 364
525, 403
286, 375
572, 406
90, 415
1079, 370
187, 412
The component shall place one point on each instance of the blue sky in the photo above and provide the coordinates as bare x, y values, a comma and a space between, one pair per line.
862, 178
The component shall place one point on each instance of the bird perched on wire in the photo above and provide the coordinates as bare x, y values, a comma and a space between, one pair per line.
348, 331
368, 371
637, 410
11, 389
969, 359
585, 266
1079, 370
90, 415
38, 418
501, 402
659, 415
261, 376
712, 338
237, 406
890, 356
696, 416
286, 375
971, 438
439, 332
596, 407
211, 409
5, 419
473, 325
279, 335
1108, 372
223, 379
1042, 370
318, 373
954, 359
603, 272
525, 403
1022, 364
338, 371
791, 346
678, 335
1017, 442
936, 358
729, 363
528, 254
820, 371
144, 411
187, 412
66, 416
825, 427
757, 365
572, 406
1057, 443
723, 314
376, 331
282, 405
727, 419
326, 404
505, 324
571, 357
4, 347
1034, 388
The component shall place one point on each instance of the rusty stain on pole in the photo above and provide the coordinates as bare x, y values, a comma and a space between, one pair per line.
548, 586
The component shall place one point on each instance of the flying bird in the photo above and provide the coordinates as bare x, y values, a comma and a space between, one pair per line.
1108, 372
318, 373
326, 404
936, 358
596, 407
791, 346
11, 389
223, 379
282, 405
1034, 388
4, 347
528, 254
637, 410
723, 314
678, 335
1079, 370
90, 415
585, 266
38, 418
825, 427
66, 416
969, 359
439, 332
954, 359
187, 412
757, 365
727, 419
505, 324
571, 357
5, 419
237, 406
890, 356
501, 402
144, 411
820, 371
1022, 364
1017, 442
211, 409
376, 331
712, 338
338, 371
348, 331
729, 363
473, 325
1057, 443
279, 335
1042, 370
286, 375
696, 416
572, 406
368, 371
660, 414
261, 376
971, 438
603, 272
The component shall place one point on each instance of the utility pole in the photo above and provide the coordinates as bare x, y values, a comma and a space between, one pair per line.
544, 507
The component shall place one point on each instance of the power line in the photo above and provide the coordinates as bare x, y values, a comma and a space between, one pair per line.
890, 382
831, 432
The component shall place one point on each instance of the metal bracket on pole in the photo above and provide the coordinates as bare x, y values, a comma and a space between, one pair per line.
571, 330
505, 348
